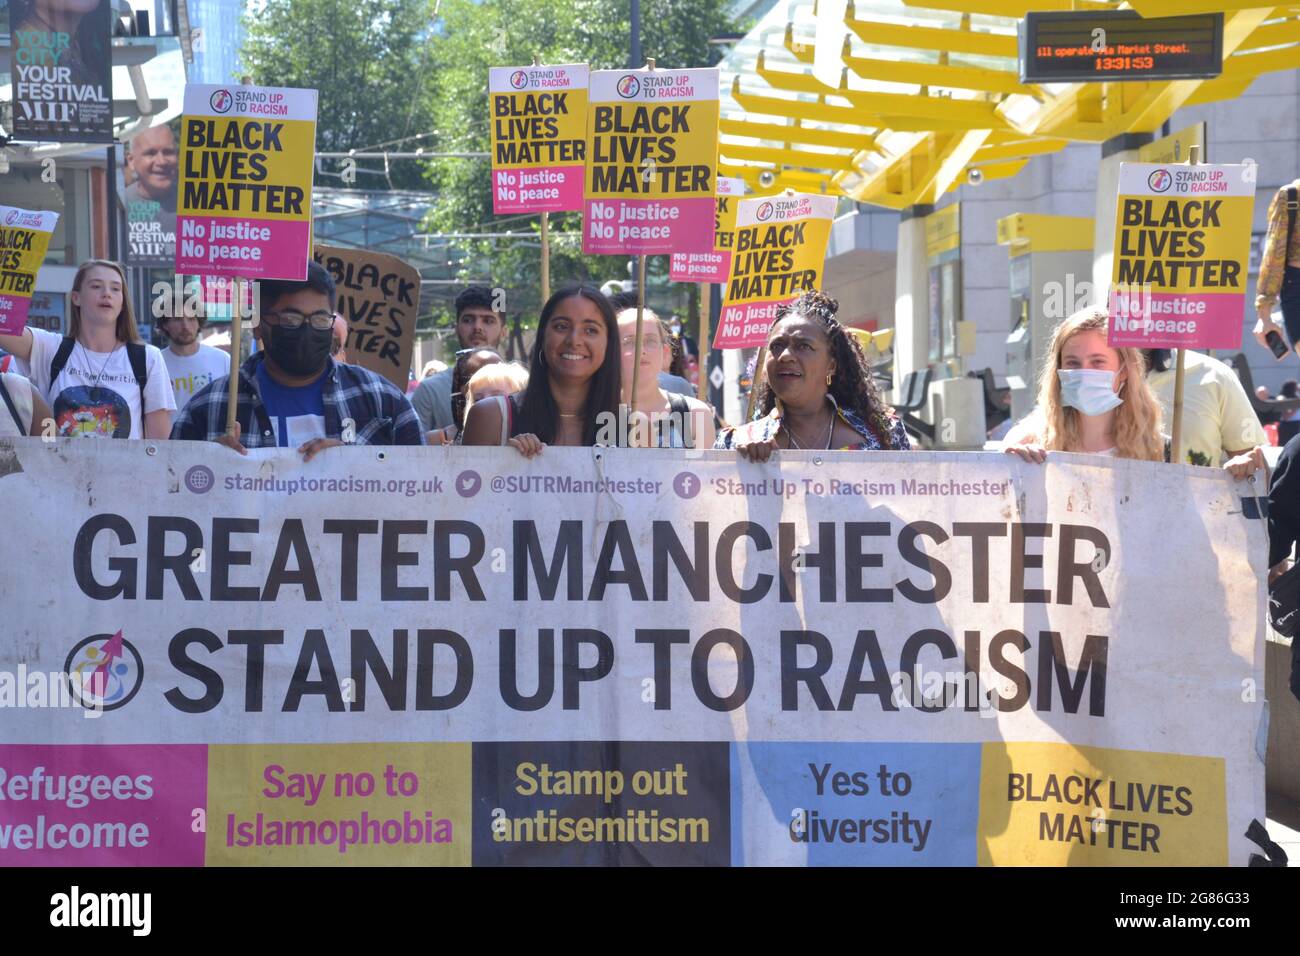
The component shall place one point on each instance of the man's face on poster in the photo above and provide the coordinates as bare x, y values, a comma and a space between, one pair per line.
153, 158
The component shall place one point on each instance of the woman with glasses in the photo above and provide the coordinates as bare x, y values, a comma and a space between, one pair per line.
664, 419
291, 393
573, 383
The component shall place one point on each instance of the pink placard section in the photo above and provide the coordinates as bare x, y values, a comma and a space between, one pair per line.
1176, 320
700, 266
552, 189
745, 326
104, 805
251, 248
635, 227
13, 313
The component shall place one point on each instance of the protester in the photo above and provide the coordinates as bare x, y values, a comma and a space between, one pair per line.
1219, 423
25, 412
817, 391
1289, 425
1279, 267
432, 367
495, 381
479, 326
100, 380
190, 364
1263, 394
292, 393
339, 339
573, 384
468, 361
674, 421
1284, 530
1092, 398
669, 379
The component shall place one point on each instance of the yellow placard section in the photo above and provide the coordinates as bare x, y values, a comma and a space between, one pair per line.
724, 222
1183, 244
339, 805
21, 253
246, 167
651, 150
538, 128
1059, 805
777, 260
943, 230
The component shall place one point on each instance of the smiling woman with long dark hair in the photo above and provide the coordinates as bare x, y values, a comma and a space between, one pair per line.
573, 384
817, 390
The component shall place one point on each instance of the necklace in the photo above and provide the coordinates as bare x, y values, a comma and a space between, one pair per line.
104, 365
794, 442
566, 415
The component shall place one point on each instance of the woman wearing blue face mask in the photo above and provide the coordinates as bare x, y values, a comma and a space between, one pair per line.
1092, 399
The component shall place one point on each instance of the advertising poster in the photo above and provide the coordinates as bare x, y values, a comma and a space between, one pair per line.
247, 155
147, 177
652, 147
539, 120
62, 71
780, 249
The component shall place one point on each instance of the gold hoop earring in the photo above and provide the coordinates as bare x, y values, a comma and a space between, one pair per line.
828, 379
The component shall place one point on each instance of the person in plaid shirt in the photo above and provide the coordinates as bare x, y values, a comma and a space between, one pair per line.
291, 393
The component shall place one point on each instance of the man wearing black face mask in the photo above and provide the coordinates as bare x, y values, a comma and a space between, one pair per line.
291, 393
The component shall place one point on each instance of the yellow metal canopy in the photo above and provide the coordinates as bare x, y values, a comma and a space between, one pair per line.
923, 92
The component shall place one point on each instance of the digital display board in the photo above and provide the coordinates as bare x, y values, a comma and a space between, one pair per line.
1114, 45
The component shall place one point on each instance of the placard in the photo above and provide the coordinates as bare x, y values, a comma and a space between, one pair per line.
539, 121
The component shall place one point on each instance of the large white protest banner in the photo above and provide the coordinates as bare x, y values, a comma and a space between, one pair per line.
415, 655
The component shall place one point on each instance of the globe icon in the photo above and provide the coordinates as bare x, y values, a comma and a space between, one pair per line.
200, 479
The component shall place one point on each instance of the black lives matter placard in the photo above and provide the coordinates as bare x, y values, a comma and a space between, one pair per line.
379, 296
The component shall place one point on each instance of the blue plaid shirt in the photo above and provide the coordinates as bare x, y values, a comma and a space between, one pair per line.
380, 414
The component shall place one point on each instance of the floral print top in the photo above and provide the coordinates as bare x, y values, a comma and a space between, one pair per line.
1278, 251
765, 428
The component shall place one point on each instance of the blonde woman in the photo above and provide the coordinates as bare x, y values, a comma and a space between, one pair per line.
1092, 399
100, 380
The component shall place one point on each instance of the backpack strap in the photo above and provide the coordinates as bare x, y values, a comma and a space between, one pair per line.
61, 357
13, 409
135, 353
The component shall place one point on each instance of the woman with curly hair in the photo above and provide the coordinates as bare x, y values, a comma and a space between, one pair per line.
1092, 398
817, 390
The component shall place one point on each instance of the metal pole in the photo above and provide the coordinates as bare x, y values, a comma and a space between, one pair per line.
702, 360
110, 193
546, 256
635, 56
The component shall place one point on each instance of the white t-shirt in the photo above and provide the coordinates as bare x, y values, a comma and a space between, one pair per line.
1217, 415
96, 395
189, 373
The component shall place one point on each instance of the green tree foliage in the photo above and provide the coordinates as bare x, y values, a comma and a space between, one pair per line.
473, 36
371, 61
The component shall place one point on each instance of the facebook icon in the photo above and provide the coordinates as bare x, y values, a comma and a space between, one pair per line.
686, 485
